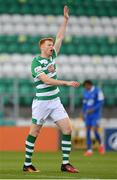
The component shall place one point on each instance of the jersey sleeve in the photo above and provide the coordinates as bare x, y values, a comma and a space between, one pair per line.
54, 54
36, 68
100, 95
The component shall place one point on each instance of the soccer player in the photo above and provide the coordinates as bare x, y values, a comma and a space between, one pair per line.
47, 102
93, 99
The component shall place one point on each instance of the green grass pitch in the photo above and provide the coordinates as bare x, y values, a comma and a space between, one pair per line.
95, 167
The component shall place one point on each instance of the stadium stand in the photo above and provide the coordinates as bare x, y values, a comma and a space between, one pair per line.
90, 45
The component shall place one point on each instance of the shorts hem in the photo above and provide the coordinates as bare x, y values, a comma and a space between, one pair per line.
61, 118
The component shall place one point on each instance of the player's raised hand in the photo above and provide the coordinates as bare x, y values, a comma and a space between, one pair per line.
73, 83
66, 12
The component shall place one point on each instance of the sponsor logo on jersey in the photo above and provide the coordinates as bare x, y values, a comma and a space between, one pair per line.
90, 102
44, 61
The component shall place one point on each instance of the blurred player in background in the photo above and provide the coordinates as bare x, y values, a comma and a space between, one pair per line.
93, 99
47, 102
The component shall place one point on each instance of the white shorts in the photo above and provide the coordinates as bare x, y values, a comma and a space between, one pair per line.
47, 109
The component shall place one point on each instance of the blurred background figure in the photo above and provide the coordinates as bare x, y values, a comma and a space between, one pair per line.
93, 100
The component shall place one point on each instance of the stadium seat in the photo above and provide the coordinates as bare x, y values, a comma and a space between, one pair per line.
77, 72
89, 72
101, 72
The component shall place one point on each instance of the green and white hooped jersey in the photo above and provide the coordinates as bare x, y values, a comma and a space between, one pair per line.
41, 65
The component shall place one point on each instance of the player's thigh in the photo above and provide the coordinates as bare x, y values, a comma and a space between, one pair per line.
88, 123
61, 118
65, 125
35, 129
40, 112
58, 112
96, 124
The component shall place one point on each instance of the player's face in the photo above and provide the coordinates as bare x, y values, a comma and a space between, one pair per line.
48, 47
88, 86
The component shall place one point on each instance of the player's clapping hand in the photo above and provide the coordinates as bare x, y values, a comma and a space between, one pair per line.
73, 83
66, 12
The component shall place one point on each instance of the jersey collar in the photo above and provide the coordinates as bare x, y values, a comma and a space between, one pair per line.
92, 89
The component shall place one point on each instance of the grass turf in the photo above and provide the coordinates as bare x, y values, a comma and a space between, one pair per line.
95, 167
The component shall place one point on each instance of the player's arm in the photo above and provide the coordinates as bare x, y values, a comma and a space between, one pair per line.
37, 71
50, 81
98, 105
83, 109
61, 32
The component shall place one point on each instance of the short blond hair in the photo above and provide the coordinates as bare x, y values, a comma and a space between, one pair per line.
45, 39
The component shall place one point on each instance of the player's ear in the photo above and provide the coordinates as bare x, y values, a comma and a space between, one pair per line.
42, 46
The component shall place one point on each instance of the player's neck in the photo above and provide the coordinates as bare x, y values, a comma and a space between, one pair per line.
43, 55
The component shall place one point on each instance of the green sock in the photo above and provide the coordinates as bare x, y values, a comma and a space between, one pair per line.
29, 149
66, 148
